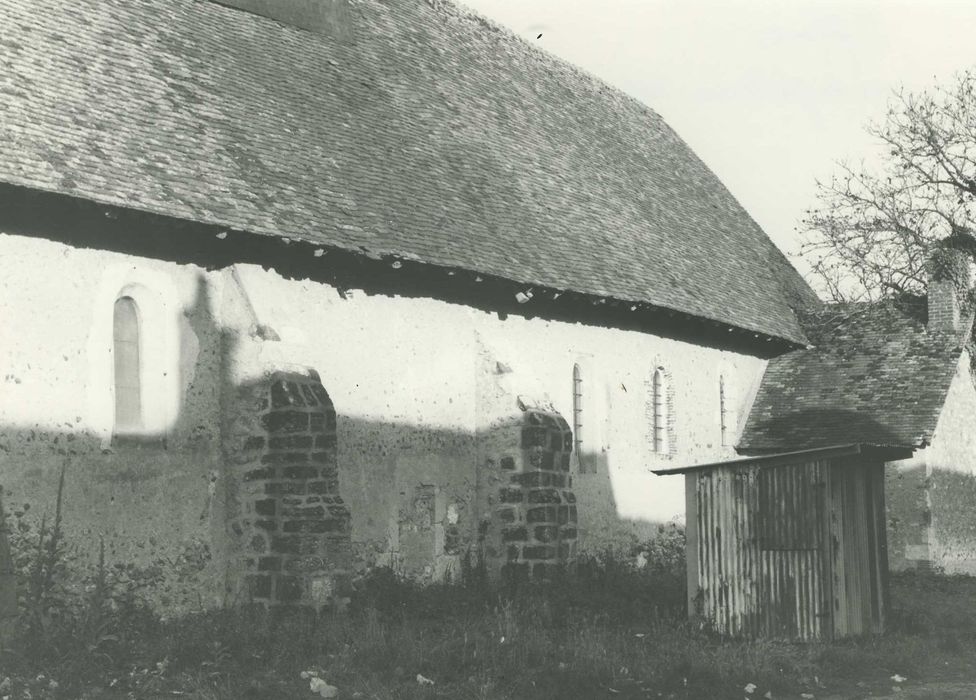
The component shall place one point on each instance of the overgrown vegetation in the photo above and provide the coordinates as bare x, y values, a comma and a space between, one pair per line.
615, 627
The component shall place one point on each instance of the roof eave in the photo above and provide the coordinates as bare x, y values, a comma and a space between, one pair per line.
883, 452
294, 245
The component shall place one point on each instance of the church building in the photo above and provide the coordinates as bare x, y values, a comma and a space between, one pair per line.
294, 288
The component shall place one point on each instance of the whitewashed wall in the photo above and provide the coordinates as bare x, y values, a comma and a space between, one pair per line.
402, 373
932, 496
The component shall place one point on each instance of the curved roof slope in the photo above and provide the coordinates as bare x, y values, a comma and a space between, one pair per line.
876, 376
432, 135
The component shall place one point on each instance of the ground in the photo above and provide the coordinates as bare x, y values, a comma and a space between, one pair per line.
608, 632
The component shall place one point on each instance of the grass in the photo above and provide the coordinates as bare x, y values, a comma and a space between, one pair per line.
606, 632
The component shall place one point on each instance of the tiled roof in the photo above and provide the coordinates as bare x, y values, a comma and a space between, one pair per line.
876, 375
431, 134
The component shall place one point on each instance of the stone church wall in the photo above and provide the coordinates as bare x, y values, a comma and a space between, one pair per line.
414, 415
533, 524
290, 525
155, 501
931, 514
416, 386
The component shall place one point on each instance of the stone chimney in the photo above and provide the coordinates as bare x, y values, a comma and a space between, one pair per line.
950, 279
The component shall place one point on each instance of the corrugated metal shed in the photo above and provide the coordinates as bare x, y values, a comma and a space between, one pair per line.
790, 545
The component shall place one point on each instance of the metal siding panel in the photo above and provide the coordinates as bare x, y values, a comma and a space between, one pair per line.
836, 551
737, 552
865, 559
865, 562
692, 543
708, 541
791, 485
756, 561
824, 616
766, 589
704, 571
824, 628
766, 549
804, 612
807, 605
787, 602
749, 560
849, 549
749, 573
826, 554
708, 568
854, 544
719, 535
874, 579
881, 542
716, 546
715, 533
728, 552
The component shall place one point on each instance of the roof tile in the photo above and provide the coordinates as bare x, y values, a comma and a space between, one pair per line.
431, 133
876, 375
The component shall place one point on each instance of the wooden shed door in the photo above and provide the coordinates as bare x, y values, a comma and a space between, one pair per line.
858, 548
793, 599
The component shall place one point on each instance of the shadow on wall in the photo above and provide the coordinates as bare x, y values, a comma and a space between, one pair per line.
259, 487
603, 532
408, 497
952, 496
151, 505
413, 495
908, 515
418, 498
152, 499
8, 584
931, 519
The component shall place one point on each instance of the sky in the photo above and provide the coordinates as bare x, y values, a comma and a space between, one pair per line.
771, 94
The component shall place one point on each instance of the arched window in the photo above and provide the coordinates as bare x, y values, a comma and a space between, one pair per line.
659, 404
128, 387
723, 411
578, 416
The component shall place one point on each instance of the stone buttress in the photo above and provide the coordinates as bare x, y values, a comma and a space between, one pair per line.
290, 527
532, 530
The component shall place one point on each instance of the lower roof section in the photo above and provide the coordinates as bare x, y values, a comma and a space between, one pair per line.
409, 129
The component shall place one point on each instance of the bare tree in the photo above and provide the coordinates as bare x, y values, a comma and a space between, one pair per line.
873, 229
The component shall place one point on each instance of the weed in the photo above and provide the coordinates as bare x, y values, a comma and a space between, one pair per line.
615, 626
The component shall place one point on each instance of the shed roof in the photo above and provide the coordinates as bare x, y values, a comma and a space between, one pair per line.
881, 452
875, 375
428, 133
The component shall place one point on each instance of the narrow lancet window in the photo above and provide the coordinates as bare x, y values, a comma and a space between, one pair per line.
723, 411
578, 416
128, 389
659, 403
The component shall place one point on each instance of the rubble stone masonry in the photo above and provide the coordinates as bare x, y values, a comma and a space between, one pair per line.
437, 454
292, 526
535, 516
